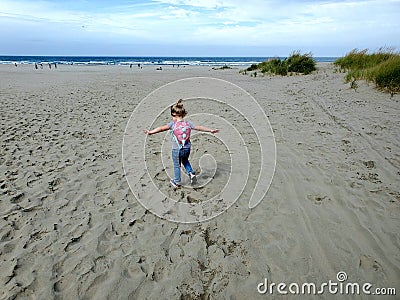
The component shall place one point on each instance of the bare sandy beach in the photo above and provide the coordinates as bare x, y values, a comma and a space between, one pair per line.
71, 228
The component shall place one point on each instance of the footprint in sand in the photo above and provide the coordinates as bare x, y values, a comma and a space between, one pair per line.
370, 164
347, 147
318, 199
369, 263
371, 177
17, 198
355, 184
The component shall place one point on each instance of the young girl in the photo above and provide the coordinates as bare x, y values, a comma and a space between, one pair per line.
180, 141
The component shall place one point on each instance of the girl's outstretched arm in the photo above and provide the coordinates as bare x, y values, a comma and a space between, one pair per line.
205, 129
156, 130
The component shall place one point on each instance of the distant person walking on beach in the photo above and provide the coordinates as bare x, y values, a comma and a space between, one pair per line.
181, 145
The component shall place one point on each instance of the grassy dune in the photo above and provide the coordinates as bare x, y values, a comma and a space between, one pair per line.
381, 68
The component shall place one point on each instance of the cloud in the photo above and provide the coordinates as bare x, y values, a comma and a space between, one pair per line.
208, 4
207, 22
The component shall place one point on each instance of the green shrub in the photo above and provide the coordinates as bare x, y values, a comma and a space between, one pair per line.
382, 68
299, 63
295, 63
359, 60
387, 75
252, 67
273, 66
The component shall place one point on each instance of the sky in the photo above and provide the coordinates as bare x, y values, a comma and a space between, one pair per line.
197, 27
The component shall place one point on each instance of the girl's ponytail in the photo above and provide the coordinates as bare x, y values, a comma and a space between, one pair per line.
178, 110
179, 104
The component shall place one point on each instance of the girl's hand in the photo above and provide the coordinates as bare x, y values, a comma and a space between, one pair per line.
146, 131
214, 130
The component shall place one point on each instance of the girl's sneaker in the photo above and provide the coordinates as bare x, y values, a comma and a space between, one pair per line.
193, 178
174, 185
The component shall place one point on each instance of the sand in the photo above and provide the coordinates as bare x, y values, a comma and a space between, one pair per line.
71, 228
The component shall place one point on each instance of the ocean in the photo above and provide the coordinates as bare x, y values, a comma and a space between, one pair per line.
125, 60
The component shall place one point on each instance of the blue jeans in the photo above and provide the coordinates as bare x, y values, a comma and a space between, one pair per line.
181, 156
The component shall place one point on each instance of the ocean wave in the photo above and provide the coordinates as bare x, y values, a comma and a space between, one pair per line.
174, 61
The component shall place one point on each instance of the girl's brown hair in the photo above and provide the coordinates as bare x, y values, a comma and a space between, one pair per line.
177, 109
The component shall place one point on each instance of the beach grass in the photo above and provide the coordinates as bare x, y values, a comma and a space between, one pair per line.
382, 68
296, 63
